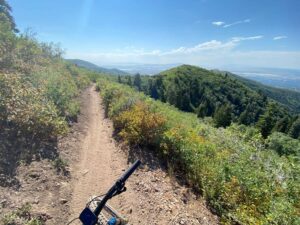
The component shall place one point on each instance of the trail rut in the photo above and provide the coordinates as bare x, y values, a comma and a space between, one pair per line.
152, 197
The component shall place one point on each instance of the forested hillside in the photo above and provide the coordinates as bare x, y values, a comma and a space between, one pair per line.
221, 96
288, 98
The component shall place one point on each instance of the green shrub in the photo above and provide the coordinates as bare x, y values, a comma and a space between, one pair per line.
140, 126
60, 165
27, 109
22, 215
283, 144
295, 129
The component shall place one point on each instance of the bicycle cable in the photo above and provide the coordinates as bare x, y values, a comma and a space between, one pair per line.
77, 218
93, 199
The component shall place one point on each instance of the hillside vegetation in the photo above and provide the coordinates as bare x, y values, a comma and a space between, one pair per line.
245, 179
234, 145
38, 92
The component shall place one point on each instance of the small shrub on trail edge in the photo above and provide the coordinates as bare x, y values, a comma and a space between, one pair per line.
22, 215
60, 165
241, 175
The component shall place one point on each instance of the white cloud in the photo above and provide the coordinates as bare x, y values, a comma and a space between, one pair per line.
279, 38
205, 46
238, 39
212, 45
236, 23
213, 54
218, 23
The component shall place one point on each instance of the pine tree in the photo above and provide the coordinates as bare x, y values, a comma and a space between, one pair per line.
282, 125
202, 109
137, 82
222, 117
129, 82
119, 79
267, 120
5, 14
7, 36
294, 131
152, 89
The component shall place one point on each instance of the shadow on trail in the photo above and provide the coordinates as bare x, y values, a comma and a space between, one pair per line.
16, 149
153, 161
147, 156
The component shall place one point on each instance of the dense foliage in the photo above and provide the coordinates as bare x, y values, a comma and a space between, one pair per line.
245, 178
24, 110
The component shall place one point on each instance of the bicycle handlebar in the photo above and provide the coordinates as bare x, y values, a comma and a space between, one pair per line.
128, 173
88, 217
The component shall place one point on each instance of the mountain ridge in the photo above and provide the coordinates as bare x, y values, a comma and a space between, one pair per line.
96, 68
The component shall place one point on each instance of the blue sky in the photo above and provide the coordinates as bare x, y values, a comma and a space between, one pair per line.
209, 33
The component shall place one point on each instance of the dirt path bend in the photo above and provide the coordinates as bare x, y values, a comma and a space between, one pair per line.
152, 197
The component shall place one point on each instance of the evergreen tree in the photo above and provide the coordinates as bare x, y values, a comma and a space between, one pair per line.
294, 131
202, 109
129, 82
185, 102
160, 88
152, 89
7, 37
119, 79
267, 120
282, 125
137, 82
5, 15
222, 117
171, 95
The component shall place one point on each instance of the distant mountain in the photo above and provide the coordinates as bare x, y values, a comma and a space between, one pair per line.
96, 68
288, 98
144, 69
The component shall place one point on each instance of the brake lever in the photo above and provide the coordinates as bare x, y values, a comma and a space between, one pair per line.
120, 191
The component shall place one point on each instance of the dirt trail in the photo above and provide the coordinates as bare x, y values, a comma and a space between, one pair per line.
152, 197
95, 172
